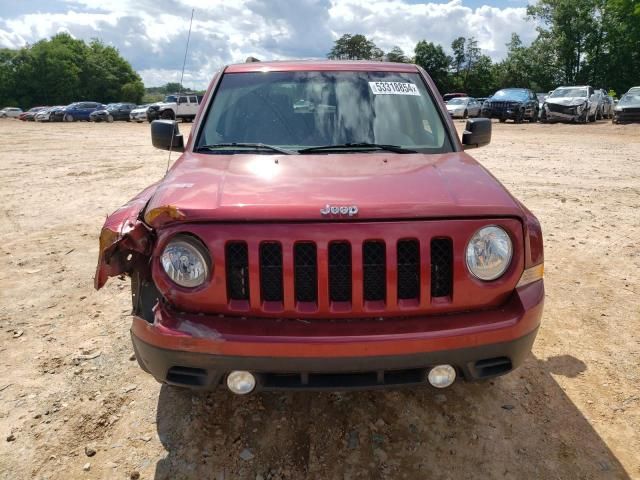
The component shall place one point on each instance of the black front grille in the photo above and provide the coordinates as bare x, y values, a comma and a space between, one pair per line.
340, 272
237, 259
500, 106
271, 271
408, 269
374, 268
631, 110
441, 267
306, 272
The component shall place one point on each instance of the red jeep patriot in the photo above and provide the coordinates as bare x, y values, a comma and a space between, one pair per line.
324, 229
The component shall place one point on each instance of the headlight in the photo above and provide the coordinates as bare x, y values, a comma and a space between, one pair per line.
489, 253
185, 261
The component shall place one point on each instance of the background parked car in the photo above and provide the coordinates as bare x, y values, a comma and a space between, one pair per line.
628, 108
81, 111
139, 114
541, 98
29, 115
183, 106
463, 107
43, 115
634, 90
571, 104
114, 111
607, 105
10, 112
448, 96
517, 104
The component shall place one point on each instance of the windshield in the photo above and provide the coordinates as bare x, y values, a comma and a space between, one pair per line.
569, 92
510, 94
297, 110
630, 99
170, 99
458, 101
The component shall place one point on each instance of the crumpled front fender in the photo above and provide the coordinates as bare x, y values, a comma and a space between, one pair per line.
126, 240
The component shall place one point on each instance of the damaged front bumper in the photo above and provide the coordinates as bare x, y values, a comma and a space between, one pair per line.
198, 351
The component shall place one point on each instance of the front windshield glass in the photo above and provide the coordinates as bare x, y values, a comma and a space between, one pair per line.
510, 94
569, 92
296, 110
170, 99
630, 99
458, 101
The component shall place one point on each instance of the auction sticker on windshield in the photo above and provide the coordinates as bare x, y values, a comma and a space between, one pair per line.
394, 88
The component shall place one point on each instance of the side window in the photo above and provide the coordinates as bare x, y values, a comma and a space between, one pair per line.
193, 100
182, 100
590, 91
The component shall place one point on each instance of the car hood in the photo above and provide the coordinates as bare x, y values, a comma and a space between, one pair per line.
567, 101
254, 187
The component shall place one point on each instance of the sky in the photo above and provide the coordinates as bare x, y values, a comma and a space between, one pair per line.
152, 34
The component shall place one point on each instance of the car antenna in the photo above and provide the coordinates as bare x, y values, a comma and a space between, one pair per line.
184, 62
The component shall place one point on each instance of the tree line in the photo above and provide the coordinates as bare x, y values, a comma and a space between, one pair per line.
594, 42
62, 70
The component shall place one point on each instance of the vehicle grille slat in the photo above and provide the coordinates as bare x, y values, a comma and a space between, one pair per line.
237, 261
340, 281
305, 259
271, 287
374, 268
408, 269
441, 267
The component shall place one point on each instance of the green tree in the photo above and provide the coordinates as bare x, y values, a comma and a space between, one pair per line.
354, 47
569, 27
458, 47
62, 70
132, 92
435, 61
397, 55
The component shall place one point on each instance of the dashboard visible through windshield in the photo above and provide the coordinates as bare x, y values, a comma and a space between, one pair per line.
300, 110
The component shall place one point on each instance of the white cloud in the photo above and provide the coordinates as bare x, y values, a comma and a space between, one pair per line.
151, 34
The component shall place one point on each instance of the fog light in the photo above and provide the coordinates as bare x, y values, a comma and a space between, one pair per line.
241, 382
442, 376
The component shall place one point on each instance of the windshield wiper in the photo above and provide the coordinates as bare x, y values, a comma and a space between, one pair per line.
243, 145
358, 146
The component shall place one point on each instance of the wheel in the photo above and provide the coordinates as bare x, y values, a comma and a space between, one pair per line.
502, 120
599, 115
167, 115
110, 118
465, 114
69, 118
519, 117
534, 118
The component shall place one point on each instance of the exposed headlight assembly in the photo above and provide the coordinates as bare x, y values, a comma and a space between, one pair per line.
489, 253
186, 261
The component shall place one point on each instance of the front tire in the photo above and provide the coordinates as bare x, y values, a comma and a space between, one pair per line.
502, 120
69, 118
110, 118
167, 115
519, 117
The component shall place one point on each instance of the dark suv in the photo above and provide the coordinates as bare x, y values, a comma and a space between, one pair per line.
517, 104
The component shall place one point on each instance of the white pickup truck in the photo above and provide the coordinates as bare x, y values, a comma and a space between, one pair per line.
175, 106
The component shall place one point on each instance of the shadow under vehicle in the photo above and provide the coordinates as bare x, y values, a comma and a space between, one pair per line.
523, 427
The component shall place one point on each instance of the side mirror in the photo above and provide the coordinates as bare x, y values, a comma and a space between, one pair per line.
166, 135
477, 133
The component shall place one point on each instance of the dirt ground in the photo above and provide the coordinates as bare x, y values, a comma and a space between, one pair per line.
74, 404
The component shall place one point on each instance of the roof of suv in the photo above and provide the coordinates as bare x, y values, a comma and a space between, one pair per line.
315, 65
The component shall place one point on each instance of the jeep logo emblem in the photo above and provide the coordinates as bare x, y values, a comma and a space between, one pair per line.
349, 210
